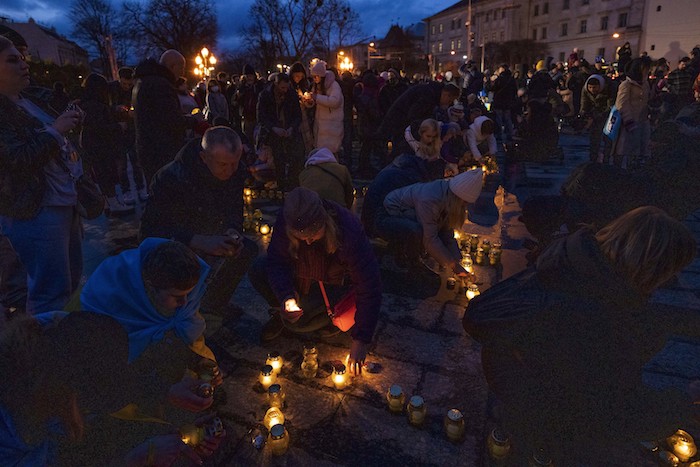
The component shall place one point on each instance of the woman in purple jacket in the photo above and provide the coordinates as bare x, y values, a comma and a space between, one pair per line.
318, 240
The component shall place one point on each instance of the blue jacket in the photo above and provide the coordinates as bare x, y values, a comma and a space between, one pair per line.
354, 257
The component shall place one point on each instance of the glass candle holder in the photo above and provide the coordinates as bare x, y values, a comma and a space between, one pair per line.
278, 440
267, 377
474, 240
276, 396
451, 283
280, 195
263, 194
257, 215
207, 370
494, 257
309, 367
273, 416
457, 234
247, 192
205, 390
668, 458
683, 445
540, 458
464, 243
454, 425
191, 435
497, 245
486, 246
480, 258
467, 263
275, 360
340, 377
354, 192
417, 411
498, 444
310, 351
395, 399
264, 229
472, 291
365, 189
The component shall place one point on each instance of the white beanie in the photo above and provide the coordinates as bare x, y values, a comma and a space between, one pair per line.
467, 185
319, 68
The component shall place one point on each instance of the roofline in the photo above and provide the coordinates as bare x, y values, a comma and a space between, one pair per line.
459, 4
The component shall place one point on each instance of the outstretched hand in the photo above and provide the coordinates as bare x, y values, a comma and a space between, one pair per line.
358, 353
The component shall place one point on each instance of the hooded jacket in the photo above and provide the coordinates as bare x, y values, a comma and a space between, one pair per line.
473, 137
324, 175
328, 124
599, 104
186, 199
571, 373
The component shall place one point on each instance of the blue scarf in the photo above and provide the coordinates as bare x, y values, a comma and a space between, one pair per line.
116, 289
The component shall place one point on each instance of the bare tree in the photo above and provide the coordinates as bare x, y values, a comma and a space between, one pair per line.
183, 25
341, 27
91, 27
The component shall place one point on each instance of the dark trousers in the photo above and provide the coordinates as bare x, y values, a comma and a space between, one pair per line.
125, 157
288, 154
13, 277
225, 276
405, 236
315, 316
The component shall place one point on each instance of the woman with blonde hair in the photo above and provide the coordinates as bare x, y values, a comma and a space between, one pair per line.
567, 364
424, 215
318, 245
427, 145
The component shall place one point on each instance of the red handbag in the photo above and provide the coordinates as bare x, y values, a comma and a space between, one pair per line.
343, 313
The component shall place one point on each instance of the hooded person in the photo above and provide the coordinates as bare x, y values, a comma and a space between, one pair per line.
324, 175
479, 138
329, 117
595, 106
632, 101
429, 213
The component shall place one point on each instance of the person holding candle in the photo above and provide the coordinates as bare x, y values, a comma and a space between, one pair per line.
300, 84
424, 215
328, 98
567, 361
318, 240
155, 291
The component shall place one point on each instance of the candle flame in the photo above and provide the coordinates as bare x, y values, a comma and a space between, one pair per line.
291, 305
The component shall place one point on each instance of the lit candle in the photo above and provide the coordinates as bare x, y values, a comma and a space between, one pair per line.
354, 192
395, 398
416, 411
275, 361
474, 239
486, 246
267, 377
498, 445
494, 257
264, 229
191, 435
278, 440
454, 425
273, 416
467, 263
247, 192
276, 396
683, 445
340, 377
480, 256
457, 234
472, 291
451, 283
365, 189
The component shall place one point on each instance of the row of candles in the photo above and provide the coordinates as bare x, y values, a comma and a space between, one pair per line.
249, 194
253, 222
682, 449
485, 252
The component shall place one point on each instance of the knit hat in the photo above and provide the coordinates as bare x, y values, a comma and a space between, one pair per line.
467, 185
303, 210
540, 65
319, 68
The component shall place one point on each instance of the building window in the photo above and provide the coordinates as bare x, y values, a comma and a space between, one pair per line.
503, 14
584, 26
452, 25
537, 10
534, 34
544, 33
440, 29
562, 56
458, 23
653, 46
604, 23
439, 46
601, 53
565, 29
622, 20
493, 37
432, 30
495, 14
452, 45
459, 44
658, 7
488, 16
545, 8
565, 6
433, 48
503, 36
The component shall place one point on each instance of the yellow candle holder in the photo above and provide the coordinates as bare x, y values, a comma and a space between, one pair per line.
340, 377
273, 416
472, 291
276, 396
265, 229
454, 425
395, 399
416, 410
267, 377
498, 444
275, 361
278, 440
683, 445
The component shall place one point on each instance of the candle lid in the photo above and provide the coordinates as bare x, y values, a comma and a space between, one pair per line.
499, 436
339, 369
541, 457
475, 236
274, 389
417, 401
273, 355
395, 390
277, 431
485, 241
455, 415
473, 287
266, 370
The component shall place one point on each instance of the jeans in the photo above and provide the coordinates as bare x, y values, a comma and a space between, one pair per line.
49, 246
315, 316
503, 119
225, 276
404, 235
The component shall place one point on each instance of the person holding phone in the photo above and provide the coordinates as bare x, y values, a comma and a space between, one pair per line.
198, 200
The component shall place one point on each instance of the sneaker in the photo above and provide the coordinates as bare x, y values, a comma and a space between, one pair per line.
273, 328
128, 198
143, 194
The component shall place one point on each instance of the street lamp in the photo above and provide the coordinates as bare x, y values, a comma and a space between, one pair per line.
205, 62
370, 46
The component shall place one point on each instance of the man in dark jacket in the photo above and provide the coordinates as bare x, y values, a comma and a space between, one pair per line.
417, 103
160, 125
246, 99
197, 199
391, 91
279, 117
505, 99
472, 80
595, 107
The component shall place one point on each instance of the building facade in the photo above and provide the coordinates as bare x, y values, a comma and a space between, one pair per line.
45, 44
671, 29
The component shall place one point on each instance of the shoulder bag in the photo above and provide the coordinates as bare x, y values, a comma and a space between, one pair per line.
343, 313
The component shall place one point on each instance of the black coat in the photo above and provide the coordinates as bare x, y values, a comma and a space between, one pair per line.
505, 91
271, 115
570, 374
187, 200
417, 103
160, 124
389, 93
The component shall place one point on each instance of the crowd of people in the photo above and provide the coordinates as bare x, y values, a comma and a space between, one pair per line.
187, 156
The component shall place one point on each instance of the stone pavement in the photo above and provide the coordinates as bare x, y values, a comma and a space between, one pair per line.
420, 345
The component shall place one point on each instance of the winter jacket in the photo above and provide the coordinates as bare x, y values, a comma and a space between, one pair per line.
571, 373
367, 103
680, 83
354, 258
101, 135
160, 124
473, 138
271, 114
404, 170
247, 98
426, 203
540, 85
632, 100
328, 122
505, 91
216, 107
389, 93
598, 105
417, 103
25, 149
331, 180
473, 81
186, 199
